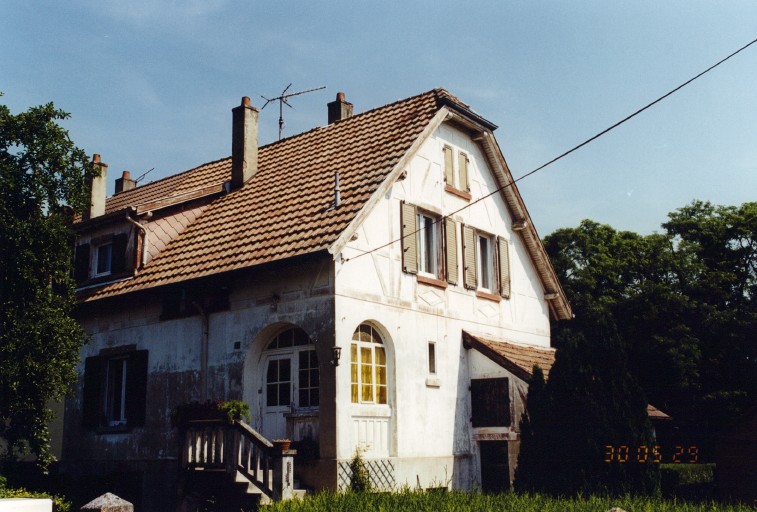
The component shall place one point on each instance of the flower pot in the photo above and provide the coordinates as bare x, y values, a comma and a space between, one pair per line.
282, 444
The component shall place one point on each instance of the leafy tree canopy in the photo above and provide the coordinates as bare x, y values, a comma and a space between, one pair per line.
683, 302
42, 181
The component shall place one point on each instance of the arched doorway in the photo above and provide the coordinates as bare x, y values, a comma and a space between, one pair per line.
289, 386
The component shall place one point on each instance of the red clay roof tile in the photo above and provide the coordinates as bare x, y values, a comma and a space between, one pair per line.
286, 208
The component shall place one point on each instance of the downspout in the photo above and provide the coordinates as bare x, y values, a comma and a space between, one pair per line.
203, 352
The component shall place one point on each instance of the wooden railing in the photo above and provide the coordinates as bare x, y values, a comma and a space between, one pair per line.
238, 449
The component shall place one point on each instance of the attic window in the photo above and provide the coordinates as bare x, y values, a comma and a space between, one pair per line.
456, 172
103, 259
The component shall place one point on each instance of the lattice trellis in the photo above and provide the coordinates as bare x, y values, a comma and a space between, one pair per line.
381, 472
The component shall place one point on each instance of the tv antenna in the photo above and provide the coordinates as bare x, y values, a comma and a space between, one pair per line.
282, 99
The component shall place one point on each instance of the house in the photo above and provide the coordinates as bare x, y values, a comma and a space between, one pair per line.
375, 284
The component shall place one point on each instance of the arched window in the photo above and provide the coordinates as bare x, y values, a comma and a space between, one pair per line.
368, 366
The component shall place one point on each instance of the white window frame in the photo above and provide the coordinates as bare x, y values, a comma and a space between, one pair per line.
429, 245
433, 369
108, 248
356, 363
112, 395
485, 262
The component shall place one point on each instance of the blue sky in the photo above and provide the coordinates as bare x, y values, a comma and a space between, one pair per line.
151, 84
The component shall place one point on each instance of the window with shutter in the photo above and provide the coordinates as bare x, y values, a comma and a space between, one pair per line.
115, 389
490, 402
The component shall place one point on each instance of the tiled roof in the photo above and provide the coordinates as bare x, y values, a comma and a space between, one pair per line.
287, 208
517, 359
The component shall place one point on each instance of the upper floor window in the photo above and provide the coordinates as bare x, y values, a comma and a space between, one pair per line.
429, 246
368, 366
103, 259
456, 172
103, 256
486, 263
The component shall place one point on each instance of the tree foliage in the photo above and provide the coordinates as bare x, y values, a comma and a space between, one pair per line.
42, 181
683, 302
589, 402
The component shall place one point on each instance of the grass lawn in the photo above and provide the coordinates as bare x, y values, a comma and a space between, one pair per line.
419, 501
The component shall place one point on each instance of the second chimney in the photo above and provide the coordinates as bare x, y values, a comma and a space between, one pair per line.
125, 183
339, 109
244, 143
97, 189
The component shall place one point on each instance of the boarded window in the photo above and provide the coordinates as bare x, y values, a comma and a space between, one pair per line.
490, 402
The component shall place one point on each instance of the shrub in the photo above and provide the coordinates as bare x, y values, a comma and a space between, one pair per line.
60, 504
360, 481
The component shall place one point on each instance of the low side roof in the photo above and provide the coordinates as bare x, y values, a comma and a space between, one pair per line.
515, 358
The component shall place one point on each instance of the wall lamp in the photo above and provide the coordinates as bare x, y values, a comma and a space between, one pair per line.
336, 353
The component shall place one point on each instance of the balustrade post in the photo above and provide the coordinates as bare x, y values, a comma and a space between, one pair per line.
283, 475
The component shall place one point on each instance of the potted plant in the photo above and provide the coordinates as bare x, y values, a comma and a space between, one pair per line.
282, 444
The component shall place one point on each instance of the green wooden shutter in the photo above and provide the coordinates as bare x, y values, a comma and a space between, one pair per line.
136, 388
450, 239
93, 391
469, 257
504, 267
449, 167
81, 263
409, 219
462, 168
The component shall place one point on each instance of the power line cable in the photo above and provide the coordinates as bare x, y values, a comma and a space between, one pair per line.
575, 148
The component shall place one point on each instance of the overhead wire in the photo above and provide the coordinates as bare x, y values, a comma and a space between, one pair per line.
563, 155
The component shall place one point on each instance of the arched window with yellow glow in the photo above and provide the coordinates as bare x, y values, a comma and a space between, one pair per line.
368, 366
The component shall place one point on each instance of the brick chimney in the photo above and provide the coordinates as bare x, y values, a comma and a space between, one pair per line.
244, 143
96, 187
339, 109
125, 183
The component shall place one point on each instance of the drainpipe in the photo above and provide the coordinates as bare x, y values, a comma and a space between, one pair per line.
203, 352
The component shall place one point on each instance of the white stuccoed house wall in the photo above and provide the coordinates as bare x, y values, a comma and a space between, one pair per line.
426, 425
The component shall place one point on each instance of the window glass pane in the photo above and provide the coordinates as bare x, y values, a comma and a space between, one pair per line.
381, 398
104, 253
315, 397
367, 395
381, 375
285, 393
272, 395
354, 394
432, 358
380, 356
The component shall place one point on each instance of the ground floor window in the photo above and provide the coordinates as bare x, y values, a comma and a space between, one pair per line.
368, 366
115, 388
